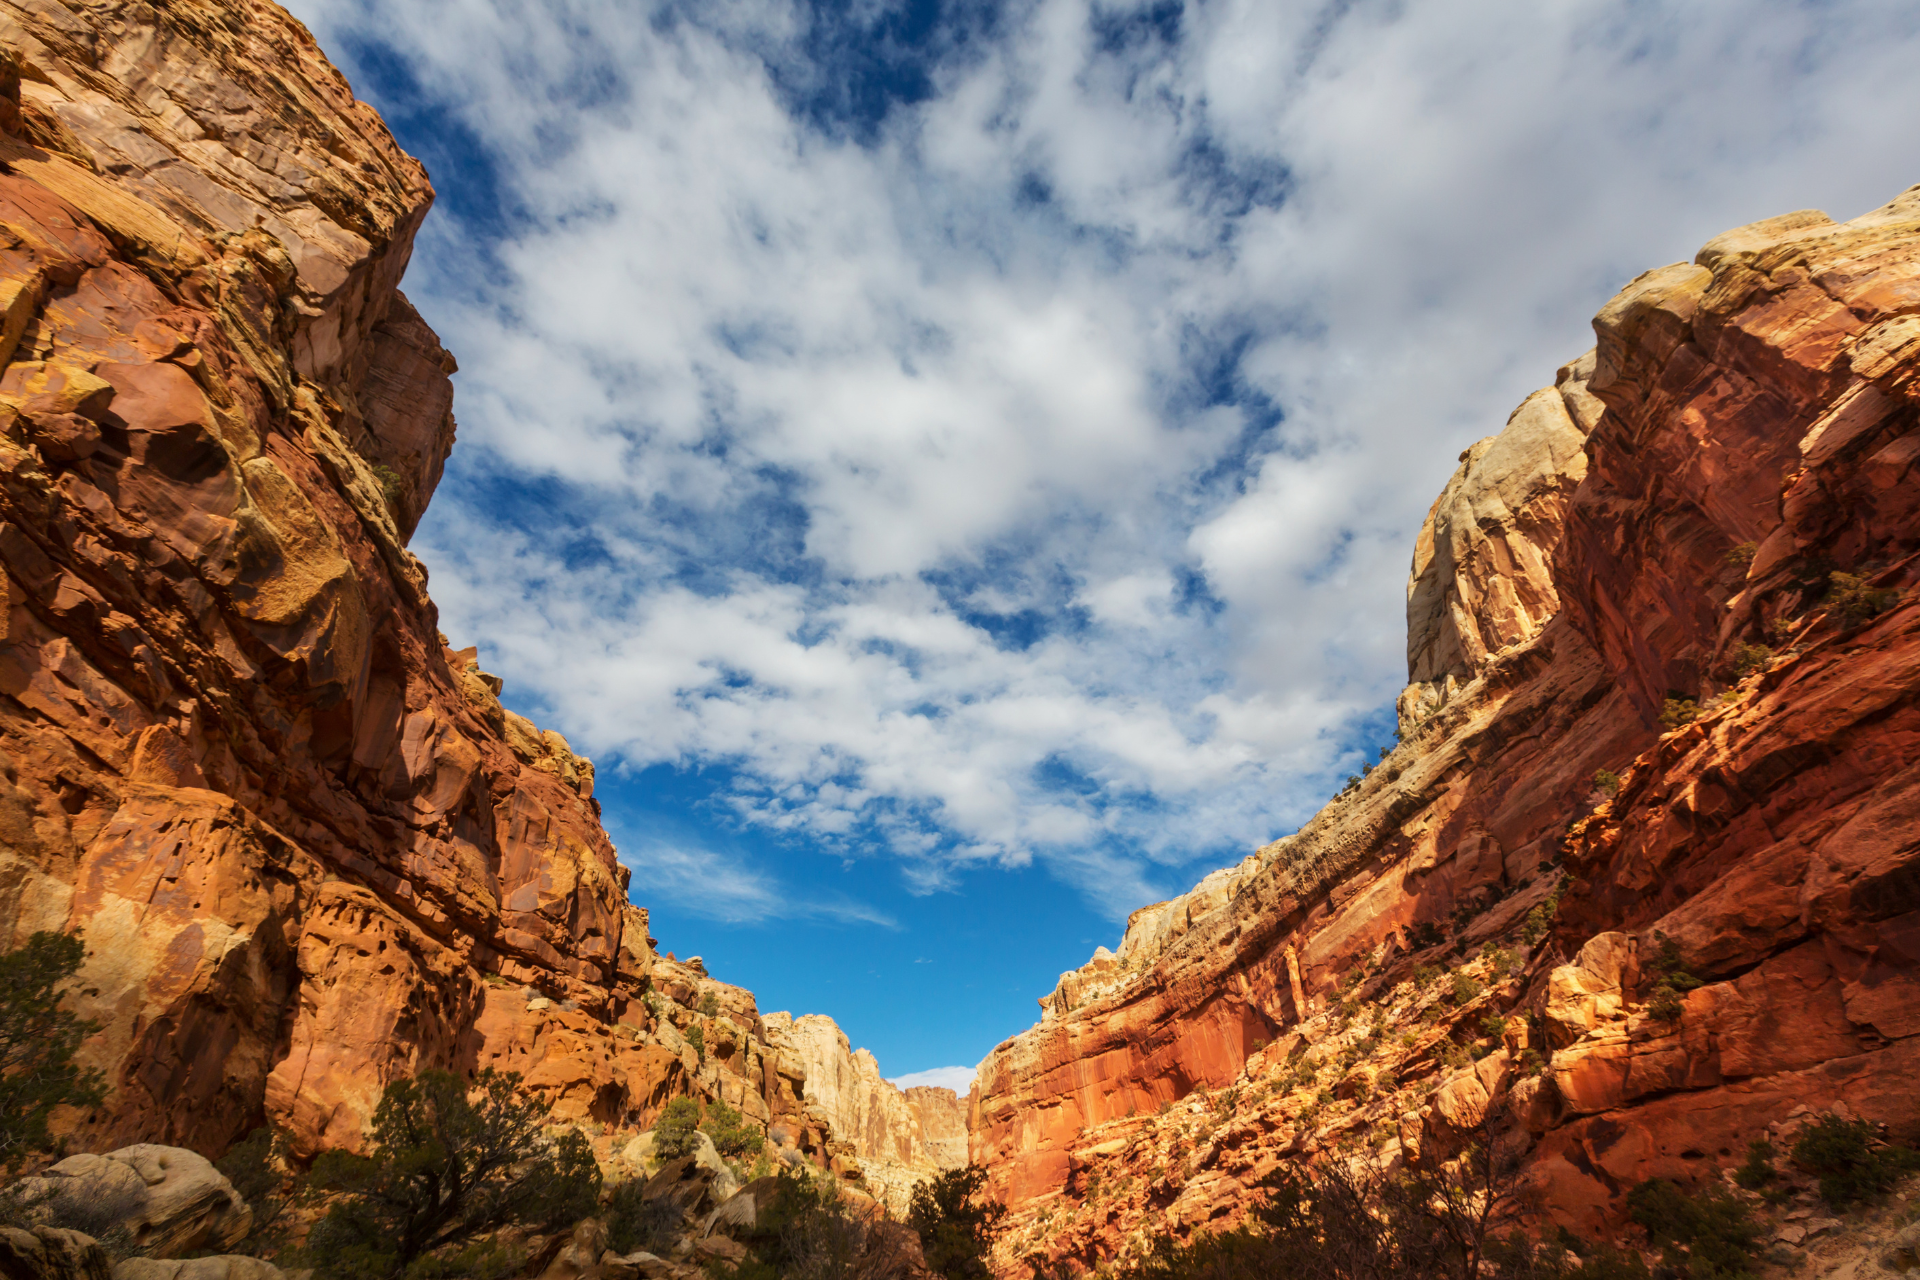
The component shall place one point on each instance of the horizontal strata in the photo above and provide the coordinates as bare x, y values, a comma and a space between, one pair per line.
1661, 524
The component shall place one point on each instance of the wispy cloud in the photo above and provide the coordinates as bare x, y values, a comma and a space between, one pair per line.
711, 884
958, 1079
1010, 445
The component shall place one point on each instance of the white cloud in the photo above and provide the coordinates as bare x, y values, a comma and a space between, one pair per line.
958, 1079
978, 526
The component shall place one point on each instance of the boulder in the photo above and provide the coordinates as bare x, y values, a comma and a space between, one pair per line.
169, 1201
50, 1253
224, 1267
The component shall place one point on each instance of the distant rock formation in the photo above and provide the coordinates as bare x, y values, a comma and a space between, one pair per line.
893, 1138
309, 849
1650, 739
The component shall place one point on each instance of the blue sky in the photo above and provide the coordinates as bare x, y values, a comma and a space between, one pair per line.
954, 465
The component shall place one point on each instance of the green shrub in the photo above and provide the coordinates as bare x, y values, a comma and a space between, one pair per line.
444, 1168
1741, 555
1709, 1236
956, 1223
1749, 658
1675, 712
709, 1005
1425, 973
1531, 1063
1465, 988
1423, 935
673, 1131
1673, 980
1851, 1167
1606, 780
1494, 1026
1757, 1170
733, 1134
259, 1170
38, 1039
1854, 602
697, 1037
1539, 921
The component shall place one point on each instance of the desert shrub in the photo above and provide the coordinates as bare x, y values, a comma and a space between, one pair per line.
697, 1037
1672, 981
635, 1222
1425, 973
38, 1039
1709, 1236
807, 1232
733, 1134
1494, 1026
956, 1223
389, 482
1851, 1166
1607, 781
445, 1167
1539, 921
673, 1132
258, 1168
1741, 555
1423, 935
1853, 601
1749, 658
1757, 1170
1675, 712
710, 1005
1465, 987
93, 1207
1531, 1063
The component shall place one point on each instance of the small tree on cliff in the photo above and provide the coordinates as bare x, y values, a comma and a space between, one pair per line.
37, 1043
450, 1161
956, 1223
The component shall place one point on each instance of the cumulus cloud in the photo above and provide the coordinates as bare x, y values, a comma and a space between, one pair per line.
1028, 467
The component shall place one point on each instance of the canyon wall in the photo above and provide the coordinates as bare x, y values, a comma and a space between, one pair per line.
308, 848
1663, 718
892, 1138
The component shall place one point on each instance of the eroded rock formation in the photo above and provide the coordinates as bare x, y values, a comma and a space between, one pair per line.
309, 849
1648, 732
891, 1138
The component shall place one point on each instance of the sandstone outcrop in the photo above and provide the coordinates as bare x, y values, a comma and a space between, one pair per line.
1642, 867
170, 1202
893, 1139
309, 849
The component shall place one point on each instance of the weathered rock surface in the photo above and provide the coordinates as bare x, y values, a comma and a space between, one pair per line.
894, 1138
170, 1202
51, 1253
308, 847
1757, 431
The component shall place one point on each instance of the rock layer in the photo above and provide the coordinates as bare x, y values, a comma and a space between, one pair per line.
309, 849
1647, 727
893, 1138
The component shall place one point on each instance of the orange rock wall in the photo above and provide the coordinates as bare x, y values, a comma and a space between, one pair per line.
1747, 425
309, 849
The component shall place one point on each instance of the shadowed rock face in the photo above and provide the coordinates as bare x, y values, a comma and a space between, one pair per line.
309, 849
1747, 425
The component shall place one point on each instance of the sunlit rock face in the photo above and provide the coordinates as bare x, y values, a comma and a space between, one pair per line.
887, 1138
1747, 425
309, 849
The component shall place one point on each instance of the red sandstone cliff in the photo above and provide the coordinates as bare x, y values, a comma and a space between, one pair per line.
309, 849
1663, 523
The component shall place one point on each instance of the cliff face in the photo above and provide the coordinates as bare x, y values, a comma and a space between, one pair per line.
890, 1138
1663, 524
309, 849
